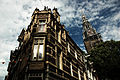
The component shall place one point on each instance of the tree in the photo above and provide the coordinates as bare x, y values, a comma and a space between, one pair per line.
106, 60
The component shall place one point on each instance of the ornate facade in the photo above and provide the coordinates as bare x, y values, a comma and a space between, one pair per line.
46, 51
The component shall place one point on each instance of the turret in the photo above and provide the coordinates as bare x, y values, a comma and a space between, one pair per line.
56, 14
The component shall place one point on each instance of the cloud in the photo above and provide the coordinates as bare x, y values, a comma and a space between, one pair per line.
1, 78
110, 32
117, 16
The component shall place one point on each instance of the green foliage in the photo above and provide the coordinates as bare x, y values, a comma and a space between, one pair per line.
106, 60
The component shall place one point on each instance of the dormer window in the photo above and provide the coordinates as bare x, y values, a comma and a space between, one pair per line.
41, 27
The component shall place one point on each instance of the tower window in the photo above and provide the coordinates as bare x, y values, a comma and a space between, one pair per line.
87, 26
38, 50
41, 27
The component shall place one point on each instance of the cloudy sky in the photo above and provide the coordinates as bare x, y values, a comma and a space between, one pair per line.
104, 15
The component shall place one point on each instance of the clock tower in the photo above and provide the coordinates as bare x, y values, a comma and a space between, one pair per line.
90, 37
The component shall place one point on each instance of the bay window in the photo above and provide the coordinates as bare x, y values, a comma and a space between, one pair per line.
38, 49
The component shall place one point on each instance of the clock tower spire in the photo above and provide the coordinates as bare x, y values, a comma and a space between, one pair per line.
90, 37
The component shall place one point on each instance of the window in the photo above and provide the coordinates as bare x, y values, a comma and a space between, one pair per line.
41, 27
68, 47
71, 69
59, 59
81, 58
63, 35
87, 26
79, 76
35, 76
59, 36
35, 51
75, 55
61, 63
52, 23
38, 49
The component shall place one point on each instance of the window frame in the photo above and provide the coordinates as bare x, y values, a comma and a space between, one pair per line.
39, 41
42, 26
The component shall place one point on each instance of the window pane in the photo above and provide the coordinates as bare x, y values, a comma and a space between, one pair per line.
35, 51
42, 21
41, 25
40, 51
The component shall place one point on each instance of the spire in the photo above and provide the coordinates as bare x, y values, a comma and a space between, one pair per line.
88, 30
90, 36
84, 18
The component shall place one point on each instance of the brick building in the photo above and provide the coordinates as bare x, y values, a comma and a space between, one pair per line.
46, 51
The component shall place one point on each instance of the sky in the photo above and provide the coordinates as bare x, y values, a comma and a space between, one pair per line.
104, 16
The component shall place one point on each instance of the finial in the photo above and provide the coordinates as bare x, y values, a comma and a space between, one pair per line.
36, 9
44, 7
84, 18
